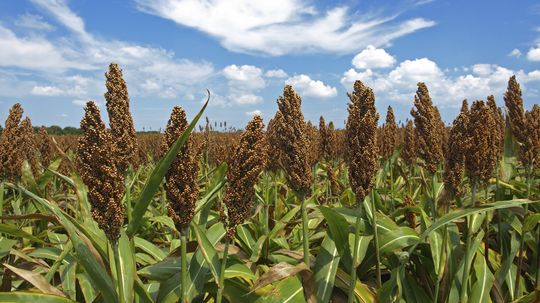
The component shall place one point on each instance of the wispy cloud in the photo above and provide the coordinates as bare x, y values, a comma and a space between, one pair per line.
275, 27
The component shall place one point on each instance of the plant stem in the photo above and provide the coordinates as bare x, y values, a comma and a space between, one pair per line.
355, 255
376, 239
467, 265
117, 263
442, 260
433, 195
1, 200
522, 240
305, 239
221, 285
183, 257
391, 183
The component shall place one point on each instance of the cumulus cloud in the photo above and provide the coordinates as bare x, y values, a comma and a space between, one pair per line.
534, 54
47, 91
246, 77
273, 27
446, 89
311, 88
244, 99
253, 113
515, 53
276, 73
372, 57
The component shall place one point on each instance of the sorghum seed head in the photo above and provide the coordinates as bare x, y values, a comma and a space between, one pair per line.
243, 172
181, 178
272, 138
428, 129
10, 145
120, 120
455, 155
361, 140
96, 164
389, 134
293, 142
409, 147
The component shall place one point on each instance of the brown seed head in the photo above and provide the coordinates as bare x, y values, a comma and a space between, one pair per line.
10, 145
243, 172
314, 142
293, 142
181, 178
361, 140
480, 156
121, 123
389, 134
273, 138
46, 147
97, 166
409, 147
428, 129
499, 122
514, 104
28, 144
529, 150
455, 156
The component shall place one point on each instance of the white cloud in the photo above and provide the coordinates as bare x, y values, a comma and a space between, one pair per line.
247, 77
311, 88
78, 102
33, 22
47, 91
515, 53
534, 54
244, 99
274, 27
254, 112
276, 73
372, 57
446, 90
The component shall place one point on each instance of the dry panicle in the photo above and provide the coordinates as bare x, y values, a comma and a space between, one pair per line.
454, 162
389, 134
46, 147
96, 164
335, 187
361, 140
293, 142
524, 125
181, 178
28, 144
410, 216
120, 120
327, 143
272, 138
332, 141
10, 145
480, 155
499, 122
428, 129
409, 146
249, 160
314, 141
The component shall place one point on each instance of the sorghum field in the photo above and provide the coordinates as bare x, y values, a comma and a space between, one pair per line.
282, 211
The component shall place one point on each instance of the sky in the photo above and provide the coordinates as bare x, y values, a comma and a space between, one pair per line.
54, 53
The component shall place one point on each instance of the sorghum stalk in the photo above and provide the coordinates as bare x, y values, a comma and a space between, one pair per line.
428, 133
181, 184
249, 160
294, 146
467, 266
362, 155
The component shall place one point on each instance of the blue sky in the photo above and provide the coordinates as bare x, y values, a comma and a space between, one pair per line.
54, 53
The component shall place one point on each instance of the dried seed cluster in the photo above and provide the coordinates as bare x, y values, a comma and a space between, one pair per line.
293, 141
120, 121
361, 138
409, 147
457, 149
249, 160
428, 129
389, 134
97, 165
181, 178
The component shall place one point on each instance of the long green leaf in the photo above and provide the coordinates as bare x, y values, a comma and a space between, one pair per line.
326, 266
208, 251
25, 297
157, 175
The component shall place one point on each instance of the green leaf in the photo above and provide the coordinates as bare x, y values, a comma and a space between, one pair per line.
484, 281
35, 279
25, 297
18, 233
5, 246
208, 251
96, 272
149, 248
158, 173
127, 274
326, 266
239, 270
338, 227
